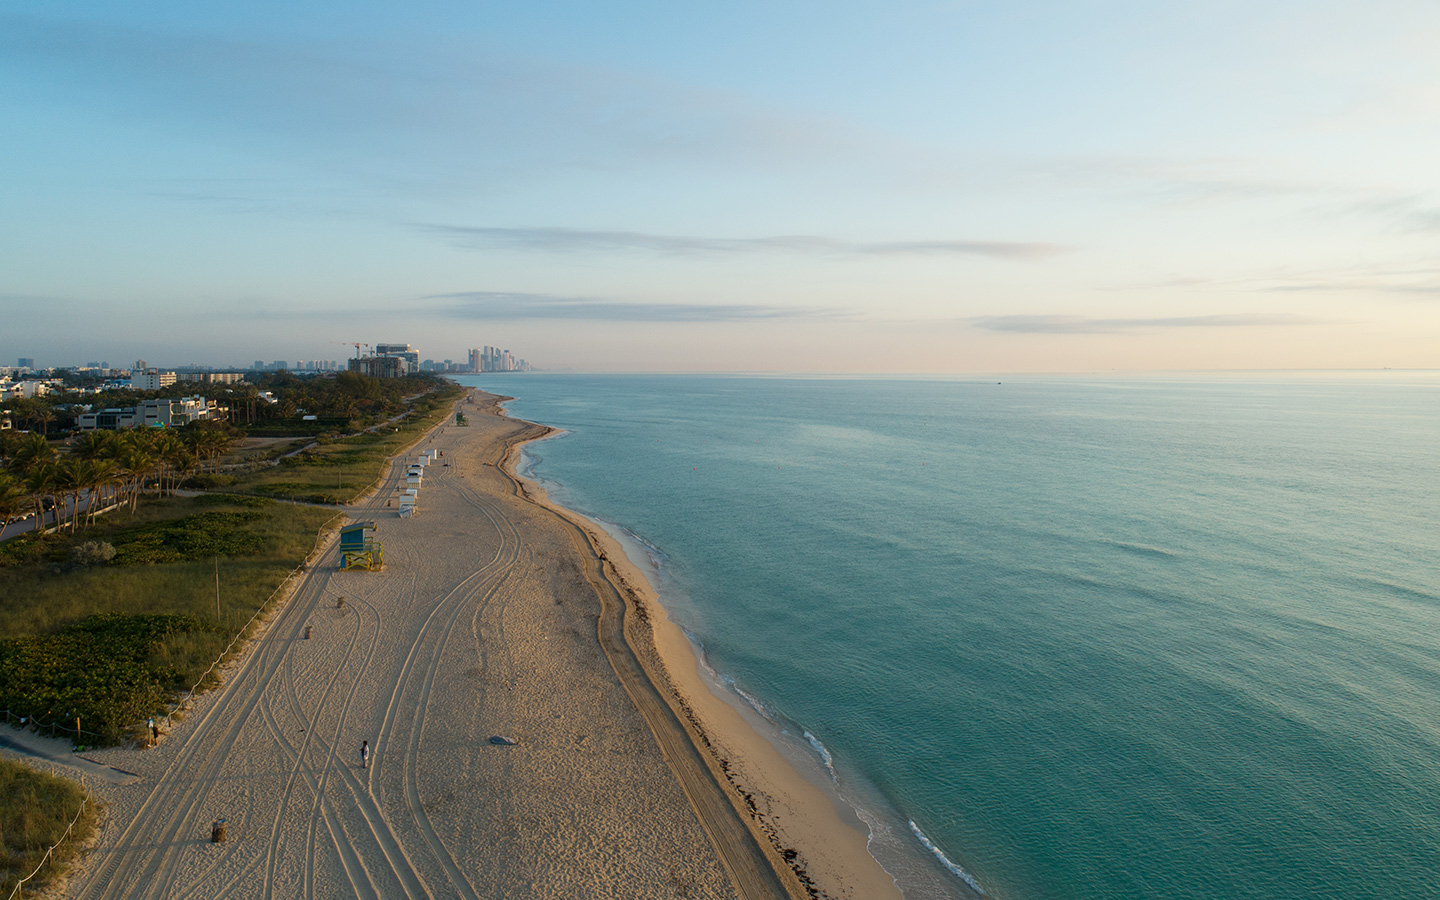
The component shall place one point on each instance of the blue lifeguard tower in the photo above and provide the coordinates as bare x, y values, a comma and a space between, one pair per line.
359, 552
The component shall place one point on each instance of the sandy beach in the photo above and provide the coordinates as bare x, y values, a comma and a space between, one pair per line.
497, 614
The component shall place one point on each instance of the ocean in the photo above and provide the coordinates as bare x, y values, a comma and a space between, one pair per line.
1061, 637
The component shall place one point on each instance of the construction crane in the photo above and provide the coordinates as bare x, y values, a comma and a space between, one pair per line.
356, 344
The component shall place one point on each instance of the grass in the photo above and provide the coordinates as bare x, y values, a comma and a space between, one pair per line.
35, 809
339, 470
112, 643
106, 638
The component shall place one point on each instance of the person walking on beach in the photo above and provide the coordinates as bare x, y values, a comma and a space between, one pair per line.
364, 754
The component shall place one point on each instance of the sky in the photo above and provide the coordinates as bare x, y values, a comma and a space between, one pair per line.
788, 186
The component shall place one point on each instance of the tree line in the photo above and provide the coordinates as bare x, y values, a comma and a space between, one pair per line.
349, 395
110, 467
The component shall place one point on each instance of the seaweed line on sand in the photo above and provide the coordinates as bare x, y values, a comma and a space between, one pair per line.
746, 797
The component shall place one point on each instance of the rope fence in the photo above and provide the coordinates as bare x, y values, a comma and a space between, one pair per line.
310, 559
61, 729
69, 829
54, 729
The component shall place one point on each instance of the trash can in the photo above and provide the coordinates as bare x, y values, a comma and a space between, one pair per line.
217, 832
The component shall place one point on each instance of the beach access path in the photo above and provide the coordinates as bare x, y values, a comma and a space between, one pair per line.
484, 623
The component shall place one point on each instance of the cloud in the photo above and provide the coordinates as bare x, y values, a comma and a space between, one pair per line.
1421, 289
572, 240
1418, 278
453, 109
502, 305
1083, 325
1413, 212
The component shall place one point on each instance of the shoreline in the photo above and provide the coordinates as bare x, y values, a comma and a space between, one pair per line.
490, 629
590, 802
805, 827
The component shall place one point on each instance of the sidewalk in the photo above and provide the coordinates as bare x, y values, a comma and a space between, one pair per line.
52, 750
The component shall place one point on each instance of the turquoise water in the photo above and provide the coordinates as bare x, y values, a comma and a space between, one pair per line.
1094, 638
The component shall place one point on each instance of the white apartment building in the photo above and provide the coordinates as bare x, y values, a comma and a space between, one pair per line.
212, 377
151, 379
11, 390
154, 414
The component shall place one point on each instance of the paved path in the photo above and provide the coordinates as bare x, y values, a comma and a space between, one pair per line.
61, 753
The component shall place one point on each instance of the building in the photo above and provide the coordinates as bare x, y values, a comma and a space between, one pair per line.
493, 359
164, 413
14, 390
401, 352
106, 419
26, 362
147, 379
211, 377
379, 366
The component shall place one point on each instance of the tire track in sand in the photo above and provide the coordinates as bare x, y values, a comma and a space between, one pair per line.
150, 846
755, 874
487, 581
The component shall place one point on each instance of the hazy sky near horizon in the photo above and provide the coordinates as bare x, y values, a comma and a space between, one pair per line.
796, 186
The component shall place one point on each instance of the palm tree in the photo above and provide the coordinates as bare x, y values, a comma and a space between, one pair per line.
13, 499
77, 475
40, 479
216, 443
32, 450
92, 444
136, 465
194, 438
69, 483
183, 464
166, 447
24, 409
246, 395
98, 474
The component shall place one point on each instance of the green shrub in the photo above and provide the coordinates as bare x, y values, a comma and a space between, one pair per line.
231, 500
193, 537
110, 670
27, 549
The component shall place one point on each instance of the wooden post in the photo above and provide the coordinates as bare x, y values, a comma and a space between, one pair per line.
217, 588
77, 731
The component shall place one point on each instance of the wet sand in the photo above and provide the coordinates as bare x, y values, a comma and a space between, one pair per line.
495, 616
808, 829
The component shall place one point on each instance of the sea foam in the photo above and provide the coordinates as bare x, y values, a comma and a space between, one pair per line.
945, 861
825, 756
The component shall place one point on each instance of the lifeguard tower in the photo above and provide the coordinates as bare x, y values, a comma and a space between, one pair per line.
359, 552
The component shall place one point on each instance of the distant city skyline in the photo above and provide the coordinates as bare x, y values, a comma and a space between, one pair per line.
912, 187
476, 359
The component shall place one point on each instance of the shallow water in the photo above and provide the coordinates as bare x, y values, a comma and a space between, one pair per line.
1094, 638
